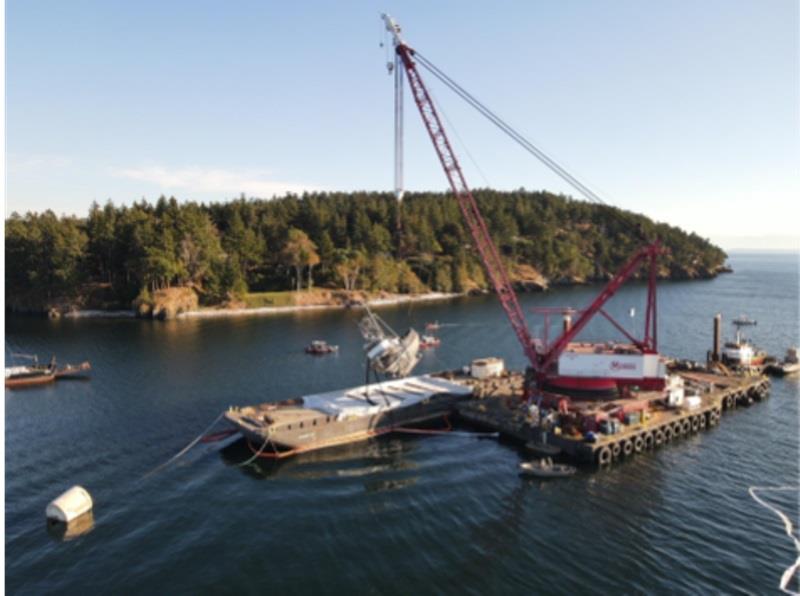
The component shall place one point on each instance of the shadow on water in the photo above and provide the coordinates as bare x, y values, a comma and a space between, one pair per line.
374, 456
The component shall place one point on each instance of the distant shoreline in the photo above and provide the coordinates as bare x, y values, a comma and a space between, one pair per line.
207, 313
276, 310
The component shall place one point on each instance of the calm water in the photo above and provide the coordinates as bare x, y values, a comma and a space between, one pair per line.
399, 515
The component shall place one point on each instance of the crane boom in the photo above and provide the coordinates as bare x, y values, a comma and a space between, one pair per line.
490, 257
540, 356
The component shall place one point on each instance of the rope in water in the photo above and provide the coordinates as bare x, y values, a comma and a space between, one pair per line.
214, 437
790, 571
183, 451
257, 454
455, 433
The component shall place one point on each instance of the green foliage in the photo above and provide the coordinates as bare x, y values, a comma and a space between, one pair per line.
261, 299
360, 240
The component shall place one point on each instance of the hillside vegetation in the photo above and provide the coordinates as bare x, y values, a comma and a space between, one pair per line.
351, 241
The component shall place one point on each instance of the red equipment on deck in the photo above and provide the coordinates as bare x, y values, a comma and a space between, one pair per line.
545, 362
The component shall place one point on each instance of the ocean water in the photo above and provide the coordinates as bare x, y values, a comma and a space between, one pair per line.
400, 514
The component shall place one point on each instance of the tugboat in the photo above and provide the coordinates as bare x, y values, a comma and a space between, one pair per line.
320, 347
741, 352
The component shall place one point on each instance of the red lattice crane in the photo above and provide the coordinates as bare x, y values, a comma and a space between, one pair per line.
542, 360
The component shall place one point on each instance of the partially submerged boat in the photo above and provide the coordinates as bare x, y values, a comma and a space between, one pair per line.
326, 419
388, 353
545, 468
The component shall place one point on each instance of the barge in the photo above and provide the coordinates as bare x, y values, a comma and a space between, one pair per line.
324, 420
580, 429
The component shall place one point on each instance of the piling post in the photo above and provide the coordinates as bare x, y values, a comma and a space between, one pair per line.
716, 348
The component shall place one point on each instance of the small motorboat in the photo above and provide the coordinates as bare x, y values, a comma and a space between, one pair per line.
429, 341
545, 468
432, 326
789, 365
319, 347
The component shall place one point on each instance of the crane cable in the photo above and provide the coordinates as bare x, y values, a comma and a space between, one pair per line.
582, 188
509, 130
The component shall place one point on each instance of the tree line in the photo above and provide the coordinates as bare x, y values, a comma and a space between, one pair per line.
358, 240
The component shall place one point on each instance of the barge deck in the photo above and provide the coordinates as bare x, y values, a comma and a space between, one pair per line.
498, 405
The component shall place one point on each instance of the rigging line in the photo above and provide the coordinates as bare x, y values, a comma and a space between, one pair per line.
257, 453
452, 127
588, 193
185, 449
510, 131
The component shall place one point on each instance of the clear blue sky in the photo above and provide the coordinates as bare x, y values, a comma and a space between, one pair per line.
685, 111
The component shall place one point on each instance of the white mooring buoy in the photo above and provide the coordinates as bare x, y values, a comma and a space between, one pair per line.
69, 505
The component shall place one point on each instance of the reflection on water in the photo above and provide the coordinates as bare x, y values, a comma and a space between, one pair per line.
364, 458
63, 532
397, 514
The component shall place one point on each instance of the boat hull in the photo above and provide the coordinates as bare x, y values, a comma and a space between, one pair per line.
29, 380
319, 431
783, 370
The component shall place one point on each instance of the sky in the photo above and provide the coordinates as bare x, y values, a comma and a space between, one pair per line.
685, 111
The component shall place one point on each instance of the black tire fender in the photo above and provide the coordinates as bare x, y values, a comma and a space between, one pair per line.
627, 447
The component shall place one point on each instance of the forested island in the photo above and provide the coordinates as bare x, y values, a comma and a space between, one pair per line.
231, 253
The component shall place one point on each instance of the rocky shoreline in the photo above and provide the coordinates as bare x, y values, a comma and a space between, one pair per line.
181, 303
